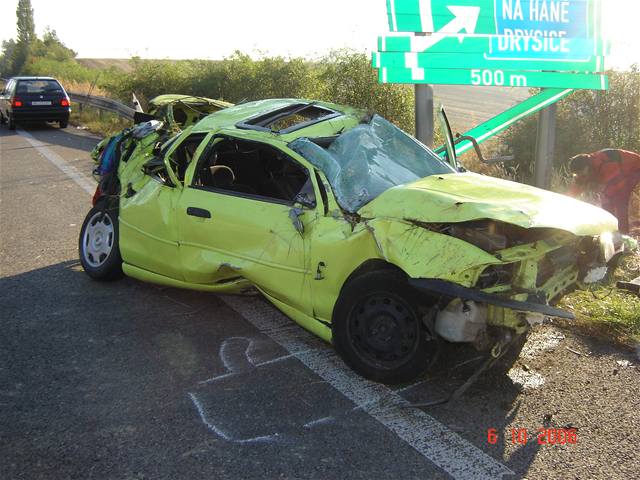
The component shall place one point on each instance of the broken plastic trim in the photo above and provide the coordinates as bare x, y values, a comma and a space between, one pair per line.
456, 291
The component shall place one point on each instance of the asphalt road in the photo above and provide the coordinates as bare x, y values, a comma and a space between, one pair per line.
467, 107
127, 380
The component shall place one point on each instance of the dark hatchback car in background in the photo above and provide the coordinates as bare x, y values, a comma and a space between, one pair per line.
34, 99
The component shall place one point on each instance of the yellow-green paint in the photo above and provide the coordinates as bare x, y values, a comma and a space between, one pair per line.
248, 242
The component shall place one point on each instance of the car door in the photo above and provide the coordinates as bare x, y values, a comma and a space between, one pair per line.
148, 230
251, 226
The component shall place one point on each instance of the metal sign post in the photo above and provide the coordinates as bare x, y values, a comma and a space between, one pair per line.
545, 146
423, 99
424, 113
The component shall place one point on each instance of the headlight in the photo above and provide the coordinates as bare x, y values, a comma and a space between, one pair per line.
607, 246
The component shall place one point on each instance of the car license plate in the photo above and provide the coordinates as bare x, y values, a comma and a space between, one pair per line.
41, 103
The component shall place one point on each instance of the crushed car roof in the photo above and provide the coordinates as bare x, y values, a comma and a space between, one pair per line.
167, 99
314, 119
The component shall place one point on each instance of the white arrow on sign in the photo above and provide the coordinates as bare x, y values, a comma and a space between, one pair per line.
464, 18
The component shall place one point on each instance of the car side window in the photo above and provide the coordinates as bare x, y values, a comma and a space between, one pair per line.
181, 157
253, 169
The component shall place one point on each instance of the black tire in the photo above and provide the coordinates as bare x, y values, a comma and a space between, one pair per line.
64, 123
99, 248
2, 119
378, 331
11, 123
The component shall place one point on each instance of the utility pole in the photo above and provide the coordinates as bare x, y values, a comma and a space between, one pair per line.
545, 146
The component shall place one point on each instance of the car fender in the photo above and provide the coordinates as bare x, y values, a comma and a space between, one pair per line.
422, 253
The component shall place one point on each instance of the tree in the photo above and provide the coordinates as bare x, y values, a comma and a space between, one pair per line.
6, 57
51, 47
26, 35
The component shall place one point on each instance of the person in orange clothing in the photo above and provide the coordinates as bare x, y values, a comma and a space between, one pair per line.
612, 173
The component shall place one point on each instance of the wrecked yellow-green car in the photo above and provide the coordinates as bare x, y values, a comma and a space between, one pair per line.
170, 114
349, 226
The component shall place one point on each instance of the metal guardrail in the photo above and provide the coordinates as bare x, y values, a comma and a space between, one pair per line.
103, 103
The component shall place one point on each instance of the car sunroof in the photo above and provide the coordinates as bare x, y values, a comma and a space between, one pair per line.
289, 119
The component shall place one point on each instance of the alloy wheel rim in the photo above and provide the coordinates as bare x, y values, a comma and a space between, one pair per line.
98, 239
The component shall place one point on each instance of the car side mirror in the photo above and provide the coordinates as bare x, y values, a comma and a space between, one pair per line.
294, 216
304, 200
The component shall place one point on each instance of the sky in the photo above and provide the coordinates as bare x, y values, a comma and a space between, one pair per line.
213, 29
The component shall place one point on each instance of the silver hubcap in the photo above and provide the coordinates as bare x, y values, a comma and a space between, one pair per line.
98, 239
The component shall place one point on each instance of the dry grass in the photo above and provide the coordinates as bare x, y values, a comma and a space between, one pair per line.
123, 64
100, 123
84, 88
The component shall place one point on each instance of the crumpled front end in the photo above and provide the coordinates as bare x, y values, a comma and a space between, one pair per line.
510, 248
491, 274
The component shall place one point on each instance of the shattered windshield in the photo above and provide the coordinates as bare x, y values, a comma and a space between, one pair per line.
370, 159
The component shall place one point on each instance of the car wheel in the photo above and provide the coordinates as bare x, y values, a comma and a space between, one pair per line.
64, 123
98, 244
378, 331
11, 123
2, 120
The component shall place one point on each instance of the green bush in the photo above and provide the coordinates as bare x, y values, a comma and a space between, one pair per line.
587, 121
342, 77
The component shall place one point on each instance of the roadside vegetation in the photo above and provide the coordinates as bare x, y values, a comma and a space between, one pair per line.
587, 121
96, 121
607, 312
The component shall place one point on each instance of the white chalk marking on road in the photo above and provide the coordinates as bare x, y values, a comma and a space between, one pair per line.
223, 435
443, 447
440, 445
87, 185
320, 421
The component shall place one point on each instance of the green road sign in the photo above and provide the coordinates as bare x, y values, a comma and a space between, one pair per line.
554, 23
574, 18
493, 77
484, 44
504, 120
517, 43
479, 60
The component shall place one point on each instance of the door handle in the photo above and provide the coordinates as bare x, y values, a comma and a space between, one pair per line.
198, 212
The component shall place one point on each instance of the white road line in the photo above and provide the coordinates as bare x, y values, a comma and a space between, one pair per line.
445, 448
85, 183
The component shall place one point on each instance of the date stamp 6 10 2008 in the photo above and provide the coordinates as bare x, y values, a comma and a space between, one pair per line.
544, 436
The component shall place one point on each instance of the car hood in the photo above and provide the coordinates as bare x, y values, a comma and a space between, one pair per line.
462, 197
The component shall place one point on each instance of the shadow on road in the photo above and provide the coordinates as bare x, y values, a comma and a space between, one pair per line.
51, 134
68, 335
